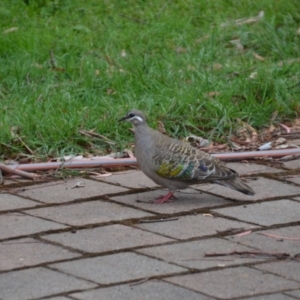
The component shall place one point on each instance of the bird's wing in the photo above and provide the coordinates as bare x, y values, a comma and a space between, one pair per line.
179, 161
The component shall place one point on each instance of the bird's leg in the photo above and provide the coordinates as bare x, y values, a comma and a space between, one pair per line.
166, 198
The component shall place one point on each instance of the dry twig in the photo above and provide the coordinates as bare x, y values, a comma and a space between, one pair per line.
139, 282
91, 133
258, 253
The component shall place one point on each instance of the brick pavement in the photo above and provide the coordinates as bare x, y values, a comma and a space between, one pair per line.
104, 240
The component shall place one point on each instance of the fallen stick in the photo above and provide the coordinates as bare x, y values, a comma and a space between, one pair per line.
10, 170
123, 162
275, 254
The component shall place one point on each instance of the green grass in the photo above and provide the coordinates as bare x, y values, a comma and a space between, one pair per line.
93, 84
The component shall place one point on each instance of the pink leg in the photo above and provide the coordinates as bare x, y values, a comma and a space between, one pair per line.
166, 198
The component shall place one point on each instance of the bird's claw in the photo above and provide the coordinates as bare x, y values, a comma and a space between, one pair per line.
162, 199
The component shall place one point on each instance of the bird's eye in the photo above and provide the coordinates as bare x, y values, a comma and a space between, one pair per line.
130, 115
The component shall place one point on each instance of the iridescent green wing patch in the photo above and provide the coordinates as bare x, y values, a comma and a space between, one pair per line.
169, 169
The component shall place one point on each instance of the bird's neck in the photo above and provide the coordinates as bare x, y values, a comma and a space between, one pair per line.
142, 135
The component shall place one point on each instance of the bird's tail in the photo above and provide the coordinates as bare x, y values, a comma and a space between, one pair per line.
236, 184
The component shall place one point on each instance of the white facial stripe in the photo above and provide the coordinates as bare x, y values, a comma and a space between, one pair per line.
137, 118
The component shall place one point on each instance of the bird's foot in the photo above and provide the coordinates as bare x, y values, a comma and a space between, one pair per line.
162, 199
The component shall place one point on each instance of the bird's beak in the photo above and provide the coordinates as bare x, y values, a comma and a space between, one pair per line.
123, 119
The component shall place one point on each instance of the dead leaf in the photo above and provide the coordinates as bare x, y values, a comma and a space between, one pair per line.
72, 157
253, 75
181, 50
56, 69
204, 38
161, 127
237, 98
15, 131
100, 175
279, 237
36, 65
296, 122
207, 215
282, 146
280, 141
243, 21
272, 128
123, 53
9, 30
274, 116
78, 185
289, 62
251, 19
212, 94
243, 233
129, 153
234, 146
110, 91
258, 57
237, 43
191, 68
25, 160
289, 157
198, 140
217, 66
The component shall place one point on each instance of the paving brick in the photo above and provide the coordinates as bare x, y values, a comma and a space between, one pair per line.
151, 290
16, 224
117, 268
234, 283
130, 179
29, 252
295, 293
287, 269
264, 189
107, 238
293, 164
265, 213
192, 254
265, 243
251, 168
38, 282
294, 179
187, 200
64, 191
193, 226
88, 213
8, 202
276, 296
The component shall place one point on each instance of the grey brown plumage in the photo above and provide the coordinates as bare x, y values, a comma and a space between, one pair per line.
175, 164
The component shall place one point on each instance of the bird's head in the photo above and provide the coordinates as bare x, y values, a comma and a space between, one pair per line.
134, 116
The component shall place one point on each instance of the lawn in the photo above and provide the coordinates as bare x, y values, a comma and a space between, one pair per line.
71, 64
